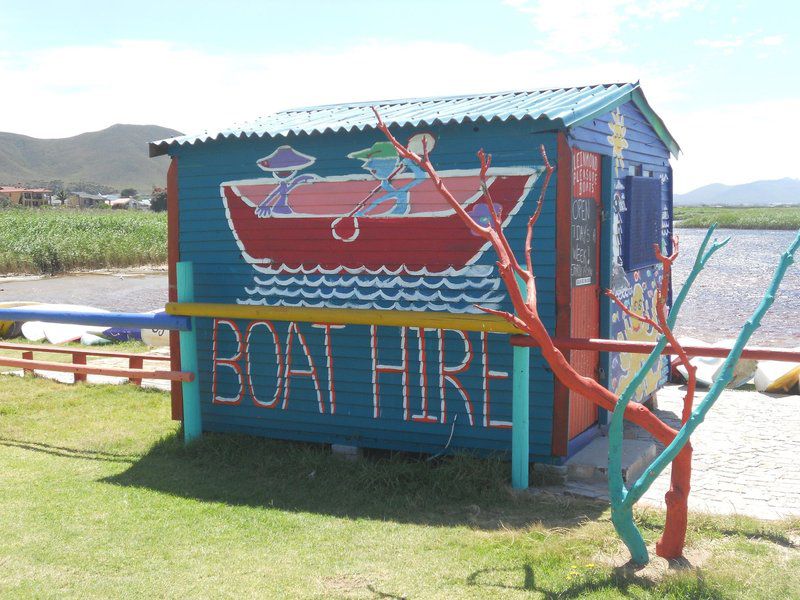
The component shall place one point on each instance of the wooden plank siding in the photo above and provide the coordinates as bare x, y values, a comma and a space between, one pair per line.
221, 275
645, 153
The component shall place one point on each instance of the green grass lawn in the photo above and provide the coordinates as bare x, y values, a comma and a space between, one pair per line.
776, 217
53, 240
98, 498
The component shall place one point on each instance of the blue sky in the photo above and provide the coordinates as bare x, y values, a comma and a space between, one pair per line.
721, 74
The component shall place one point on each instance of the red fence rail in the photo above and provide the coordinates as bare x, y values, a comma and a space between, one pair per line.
81, 368
601, 345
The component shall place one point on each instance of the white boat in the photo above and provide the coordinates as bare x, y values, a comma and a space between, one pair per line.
709, 368
60, 333
155, 337
774, 376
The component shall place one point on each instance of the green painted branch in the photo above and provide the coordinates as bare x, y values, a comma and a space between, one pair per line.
623, 519
726, 374
616, 485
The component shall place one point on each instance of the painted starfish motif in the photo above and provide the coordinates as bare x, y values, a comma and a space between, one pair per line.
617, 140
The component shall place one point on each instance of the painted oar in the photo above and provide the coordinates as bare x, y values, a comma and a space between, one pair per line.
418, 144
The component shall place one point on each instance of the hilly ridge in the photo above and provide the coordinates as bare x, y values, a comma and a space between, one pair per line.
756, 193
115, 157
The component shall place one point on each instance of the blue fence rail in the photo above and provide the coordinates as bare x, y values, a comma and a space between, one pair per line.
159, 320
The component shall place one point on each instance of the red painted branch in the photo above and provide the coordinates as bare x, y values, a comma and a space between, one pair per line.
601, 345
525, 307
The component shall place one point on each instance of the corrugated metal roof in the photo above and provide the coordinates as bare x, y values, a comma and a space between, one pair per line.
555, 108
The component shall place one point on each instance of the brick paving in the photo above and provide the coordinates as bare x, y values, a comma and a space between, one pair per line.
746, 456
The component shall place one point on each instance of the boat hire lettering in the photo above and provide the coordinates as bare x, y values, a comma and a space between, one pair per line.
441, 371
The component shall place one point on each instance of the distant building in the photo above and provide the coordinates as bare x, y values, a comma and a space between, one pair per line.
121, 203
140, 203
84, 200
26, 196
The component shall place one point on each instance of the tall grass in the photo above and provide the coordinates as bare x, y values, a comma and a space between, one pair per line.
739, 217
56, 240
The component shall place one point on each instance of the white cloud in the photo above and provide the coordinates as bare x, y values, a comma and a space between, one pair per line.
74, 89
720, 44
577, 26
727, 45
771, 40
734, 143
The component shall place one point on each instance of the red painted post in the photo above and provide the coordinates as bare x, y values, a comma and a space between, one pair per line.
560, 436
79, 358
173, 256
136, 362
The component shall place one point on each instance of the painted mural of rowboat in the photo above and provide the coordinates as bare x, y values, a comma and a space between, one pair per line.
326, 230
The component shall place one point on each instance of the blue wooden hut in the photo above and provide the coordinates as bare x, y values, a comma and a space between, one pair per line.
335, 292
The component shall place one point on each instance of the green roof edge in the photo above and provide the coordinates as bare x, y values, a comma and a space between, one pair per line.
635, 95
655, 122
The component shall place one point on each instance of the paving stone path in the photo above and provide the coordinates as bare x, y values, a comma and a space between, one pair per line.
746, 456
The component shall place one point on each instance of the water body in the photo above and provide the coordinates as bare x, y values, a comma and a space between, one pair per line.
733, 283
724, 296
128, 292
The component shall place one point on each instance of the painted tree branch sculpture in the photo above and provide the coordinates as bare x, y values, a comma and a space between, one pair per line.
520, 285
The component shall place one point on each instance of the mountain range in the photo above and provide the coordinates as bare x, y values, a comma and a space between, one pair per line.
755, 193
115, 157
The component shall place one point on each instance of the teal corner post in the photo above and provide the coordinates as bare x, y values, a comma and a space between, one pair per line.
192, 420
520, 411
520, 418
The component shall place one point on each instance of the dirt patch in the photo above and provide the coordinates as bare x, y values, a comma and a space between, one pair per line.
694, 557
349, 586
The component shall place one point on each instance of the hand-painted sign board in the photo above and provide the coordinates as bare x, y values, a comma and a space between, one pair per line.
583, 242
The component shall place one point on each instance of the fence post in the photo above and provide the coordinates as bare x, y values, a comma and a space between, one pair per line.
520, 418
78, 358
136, 362
27, 355
192, 420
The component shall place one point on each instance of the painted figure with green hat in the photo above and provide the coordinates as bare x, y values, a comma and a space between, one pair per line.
382, 162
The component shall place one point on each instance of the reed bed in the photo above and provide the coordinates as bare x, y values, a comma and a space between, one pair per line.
56, 240
739, 217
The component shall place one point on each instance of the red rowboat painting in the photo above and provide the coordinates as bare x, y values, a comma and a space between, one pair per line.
350, 223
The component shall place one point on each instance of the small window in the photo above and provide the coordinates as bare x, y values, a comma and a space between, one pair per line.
641, 223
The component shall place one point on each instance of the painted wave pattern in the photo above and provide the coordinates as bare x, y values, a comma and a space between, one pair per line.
454, 290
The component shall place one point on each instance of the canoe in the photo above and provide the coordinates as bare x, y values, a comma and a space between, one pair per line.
155, 337
777, 377
325, 229
709, 368
9, 329
59, 333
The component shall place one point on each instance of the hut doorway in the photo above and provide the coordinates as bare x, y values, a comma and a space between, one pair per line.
585, 210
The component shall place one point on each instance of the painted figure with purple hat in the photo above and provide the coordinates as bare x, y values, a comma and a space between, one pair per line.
284, 164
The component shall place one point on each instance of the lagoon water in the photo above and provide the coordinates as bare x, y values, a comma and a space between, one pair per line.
733, 283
